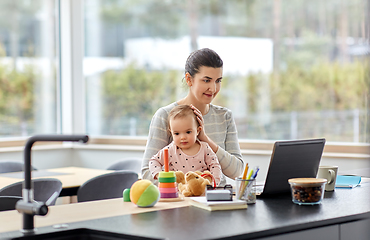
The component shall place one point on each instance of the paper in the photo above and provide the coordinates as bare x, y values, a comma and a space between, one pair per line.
346, 181
202, 202
217, 203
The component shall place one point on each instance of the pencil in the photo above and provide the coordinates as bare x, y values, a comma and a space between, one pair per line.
245, 171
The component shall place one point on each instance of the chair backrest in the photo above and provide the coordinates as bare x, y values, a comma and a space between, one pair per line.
133, 164
106, 186
8, 202
43, 189
12, 166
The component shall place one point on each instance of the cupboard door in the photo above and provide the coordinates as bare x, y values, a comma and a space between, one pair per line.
359, 230
327, 233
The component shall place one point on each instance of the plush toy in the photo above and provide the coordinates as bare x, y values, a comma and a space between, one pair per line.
192, 183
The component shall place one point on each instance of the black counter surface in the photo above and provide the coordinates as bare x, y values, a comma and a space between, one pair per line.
269, 216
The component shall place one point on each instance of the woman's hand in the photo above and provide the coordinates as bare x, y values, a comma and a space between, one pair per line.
202, 135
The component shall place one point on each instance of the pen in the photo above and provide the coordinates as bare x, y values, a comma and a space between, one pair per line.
255, 172
250, 174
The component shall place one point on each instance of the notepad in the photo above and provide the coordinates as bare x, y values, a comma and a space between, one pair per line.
201, 202
347, 181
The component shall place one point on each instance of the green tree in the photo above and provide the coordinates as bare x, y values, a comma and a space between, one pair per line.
17, 95
136, 93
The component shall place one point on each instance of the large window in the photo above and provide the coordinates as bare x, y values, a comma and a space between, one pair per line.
28, 67
292, 69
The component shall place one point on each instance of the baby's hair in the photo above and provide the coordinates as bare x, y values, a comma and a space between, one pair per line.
179, 112
203, 57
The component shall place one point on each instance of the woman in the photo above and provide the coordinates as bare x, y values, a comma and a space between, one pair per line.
203, 75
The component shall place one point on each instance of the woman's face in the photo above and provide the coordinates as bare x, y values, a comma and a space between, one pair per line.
205, 85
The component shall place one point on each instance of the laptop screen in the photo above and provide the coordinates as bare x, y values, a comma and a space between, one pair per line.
292, 159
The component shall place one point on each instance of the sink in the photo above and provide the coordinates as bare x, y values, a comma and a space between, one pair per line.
83, 234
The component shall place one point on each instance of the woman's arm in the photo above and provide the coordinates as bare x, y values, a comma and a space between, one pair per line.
230, 157
214, 166
223, 129
158, 138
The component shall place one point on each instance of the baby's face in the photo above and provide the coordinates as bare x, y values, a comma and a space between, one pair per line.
184, 131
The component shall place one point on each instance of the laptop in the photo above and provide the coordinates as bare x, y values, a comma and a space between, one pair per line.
291, 159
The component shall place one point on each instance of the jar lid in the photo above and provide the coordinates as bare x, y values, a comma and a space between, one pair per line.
307, 180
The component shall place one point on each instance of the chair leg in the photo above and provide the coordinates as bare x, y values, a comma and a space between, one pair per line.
73, 199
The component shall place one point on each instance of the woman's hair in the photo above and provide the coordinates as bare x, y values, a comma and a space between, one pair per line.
202, 57
179, 112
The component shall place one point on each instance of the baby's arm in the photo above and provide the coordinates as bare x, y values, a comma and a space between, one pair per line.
155, 164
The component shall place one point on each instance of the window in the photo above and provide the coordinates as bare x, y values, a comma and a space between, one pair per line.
291, 69
28, 67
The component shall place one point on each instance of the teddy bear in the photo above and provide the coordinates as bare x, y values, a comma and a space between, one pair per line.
192, 183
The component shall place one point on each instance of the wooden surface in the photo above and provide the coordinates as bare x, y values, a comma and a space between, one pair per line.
12, 220
75, 177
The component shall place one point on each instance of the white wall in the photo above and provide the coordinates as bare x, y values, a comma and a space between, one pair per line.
43, 159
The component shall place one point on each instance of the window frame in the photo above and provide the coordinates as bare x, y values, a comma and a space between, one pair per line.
248, 147
72, 100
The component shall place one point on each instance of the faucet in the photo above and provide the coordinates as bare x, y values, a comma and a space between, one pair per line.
27, 205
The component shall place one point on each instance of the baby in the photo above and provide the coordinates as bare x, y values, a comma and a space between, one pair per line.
186, 153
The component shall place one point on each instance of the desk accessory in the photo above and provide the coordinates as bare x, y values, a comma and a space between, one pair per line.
347, 181
201, 202
245, 186
219, 193
246, 190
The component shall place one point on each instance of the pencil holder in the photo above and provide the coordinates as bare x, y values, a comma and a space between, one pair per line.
246, 190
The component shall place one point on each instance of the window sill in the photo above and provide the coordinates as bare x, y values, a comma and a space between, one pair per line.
123, 143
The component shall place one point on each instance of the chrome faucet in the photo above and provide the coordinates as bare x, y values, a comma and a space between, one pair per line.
27, 205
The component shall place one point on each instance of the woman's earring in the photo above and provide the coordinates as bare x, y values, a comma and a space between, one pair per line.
189, 82
188, 79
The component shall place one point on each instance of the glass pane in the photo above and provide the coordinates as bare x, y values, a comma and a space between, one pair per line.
28, 67
291, 69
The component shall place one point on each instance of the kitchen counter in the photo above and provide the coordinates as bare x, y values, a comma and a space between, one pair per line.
342, 212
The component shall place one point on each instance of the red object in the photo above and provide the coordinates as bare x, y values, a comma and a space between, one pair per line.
166, 160
209, 175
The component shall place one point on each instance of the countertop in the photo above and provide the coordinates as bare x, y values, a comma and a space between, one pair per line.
267, 217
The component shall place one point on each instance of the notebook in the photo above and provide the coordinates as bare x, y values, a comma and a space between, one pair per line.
346, 181
291, 159
201, 202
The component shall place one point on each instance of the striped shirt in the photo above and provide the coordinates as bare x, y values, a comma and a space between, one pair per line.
219, 125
